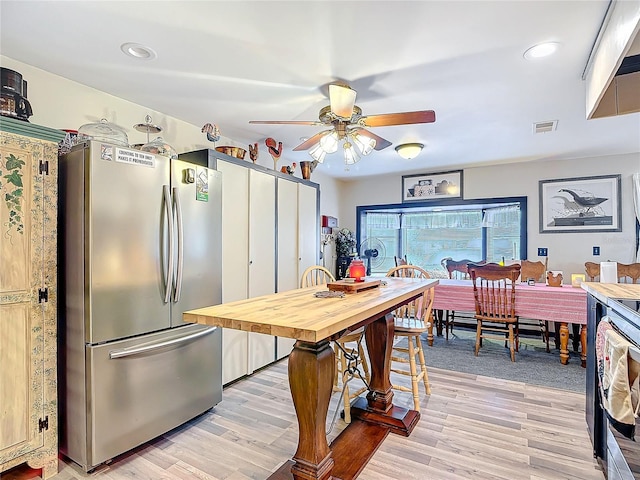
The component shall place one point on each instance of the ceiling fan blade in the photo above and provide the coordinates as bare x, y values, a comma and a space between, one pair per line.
381, 143
342, 99
311, 141
403, 118
286, 122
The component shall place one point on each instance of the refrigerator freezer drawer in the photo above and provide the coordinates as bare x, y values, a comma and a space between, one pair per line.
141, 388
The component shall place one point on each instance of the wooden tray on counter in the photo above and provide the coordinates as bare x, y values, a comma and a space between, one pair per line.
352, 287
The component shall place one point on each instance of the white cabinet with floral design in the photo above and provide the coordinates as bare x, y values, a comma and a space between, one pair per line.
28, 238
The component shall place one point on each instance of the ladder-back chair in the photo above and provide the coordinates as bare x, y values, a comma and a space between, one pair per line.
456, 269
537, 271
494, 291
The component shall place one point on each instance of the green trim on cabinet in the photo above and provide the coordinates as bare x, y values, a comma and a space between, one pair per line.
19, 127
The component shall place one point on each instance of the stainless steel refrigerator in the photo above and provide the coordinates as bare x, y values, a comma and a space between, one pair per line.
140, 243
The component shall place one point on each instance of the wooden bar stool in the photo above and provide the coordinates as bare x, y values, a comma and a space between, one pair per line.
411, 321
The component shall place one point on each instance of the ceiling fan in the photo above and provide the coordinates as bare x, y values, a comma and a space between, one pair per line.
347, 123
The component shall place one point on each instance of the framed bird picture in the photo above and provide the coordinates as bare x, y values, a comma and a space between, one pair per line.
582, 204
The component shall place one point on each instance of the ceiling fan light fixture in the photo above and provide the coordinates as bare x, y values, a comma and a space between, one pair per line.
365, 144
317, 153
329, 143
350, 154
342, 99
409, 150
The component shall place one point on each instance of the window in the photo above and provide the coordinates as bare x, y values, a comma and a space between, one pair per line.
488, 229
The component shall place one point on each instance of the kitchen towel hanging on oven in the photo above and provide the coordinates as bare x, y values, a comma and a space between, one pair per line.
618, 375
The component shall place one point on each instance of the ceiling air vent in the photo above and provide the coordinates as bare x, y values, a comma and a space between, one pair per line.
544, 127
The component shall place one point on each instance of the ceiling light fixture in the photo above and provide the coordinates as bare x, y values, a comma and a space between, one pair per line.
409, 150
141, 52
350, 154
317, 153
331, 139
541, 50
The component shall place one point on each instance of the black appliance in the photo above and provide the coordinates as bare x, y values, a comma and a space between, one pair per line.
13, 95
618, 455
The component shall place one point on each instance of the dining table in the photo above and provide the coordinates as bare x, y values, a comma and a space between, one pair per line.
315, 316
564, 304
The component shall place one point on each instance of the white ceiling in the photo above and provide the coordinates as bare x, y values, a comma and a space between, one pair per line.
231, 62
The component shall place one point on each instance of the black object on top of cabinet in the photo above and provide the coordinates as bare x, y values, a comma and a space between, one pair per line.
13, 95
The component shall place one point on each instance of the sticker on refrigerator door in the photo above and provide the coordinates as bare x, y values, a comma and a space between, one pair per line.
135, 157
106, 152
202, 184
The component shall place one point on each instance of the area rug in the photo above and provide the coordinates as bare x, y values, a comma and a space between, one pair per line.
533, 365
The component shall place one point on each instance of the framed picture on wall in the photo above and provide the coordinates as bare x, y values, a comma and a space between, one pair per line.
581, 204
432, 186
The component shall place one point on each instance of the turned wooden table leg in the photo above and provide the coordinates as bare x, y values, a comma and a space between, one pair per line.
311, 372
564, 343
379, 338
378, 407
583, 346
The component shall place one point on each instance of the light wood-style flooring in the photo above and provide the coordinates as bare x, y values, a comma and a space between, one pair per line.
472, 427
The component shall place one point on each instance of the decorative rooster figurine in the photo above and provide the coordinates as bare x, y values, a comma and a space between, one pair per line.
289, 168
253, 152
212, 131
275, 152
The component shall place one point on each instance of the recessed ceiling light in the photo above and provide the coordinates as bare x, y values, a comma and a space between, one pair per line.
541, 50
138, 51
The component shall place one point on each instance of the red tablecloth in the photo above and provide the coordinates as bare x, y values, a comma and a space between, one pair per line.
557, 304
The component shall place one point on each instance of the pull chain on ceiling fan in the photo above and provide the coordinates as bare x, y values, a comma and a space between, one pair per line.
347, 124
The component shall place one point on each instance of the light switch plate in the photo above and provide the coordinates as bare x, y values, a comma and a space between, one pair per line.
596, 251
542, 252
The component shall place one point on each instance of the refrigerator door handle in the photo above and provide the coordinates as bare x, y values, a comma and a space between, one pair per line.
168, 273
128, 352
178, 209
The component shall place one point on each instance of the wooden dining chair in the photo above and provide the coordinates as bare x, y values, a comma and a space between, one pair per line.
400, 260
411, 321
348, 349
456, 269
494, 291
628, 271
592, 270
537, 271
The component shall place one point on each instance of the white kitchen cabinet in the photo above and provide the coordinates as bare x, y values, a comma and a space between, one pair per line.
308, 228
28, 320
248, 261
262, 258
297, 239
270, 230
235, 271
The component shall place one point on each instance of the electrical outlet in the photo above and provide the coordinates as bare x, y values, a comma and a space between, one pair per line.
542, 252
596, 251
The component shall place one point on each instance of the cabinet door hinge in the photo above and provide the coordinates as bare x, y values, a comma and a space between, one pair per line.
43, 424
44, 167
43, 295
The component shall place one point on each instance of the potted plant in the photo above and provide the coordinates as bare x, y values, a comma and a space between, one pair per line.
345, 251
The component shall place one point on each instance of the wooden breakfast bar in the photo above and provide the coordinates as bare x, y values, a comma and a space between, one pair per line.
314, 322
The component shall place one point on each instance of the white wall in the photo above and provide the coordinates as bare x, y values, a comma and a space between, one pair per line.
567, 251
